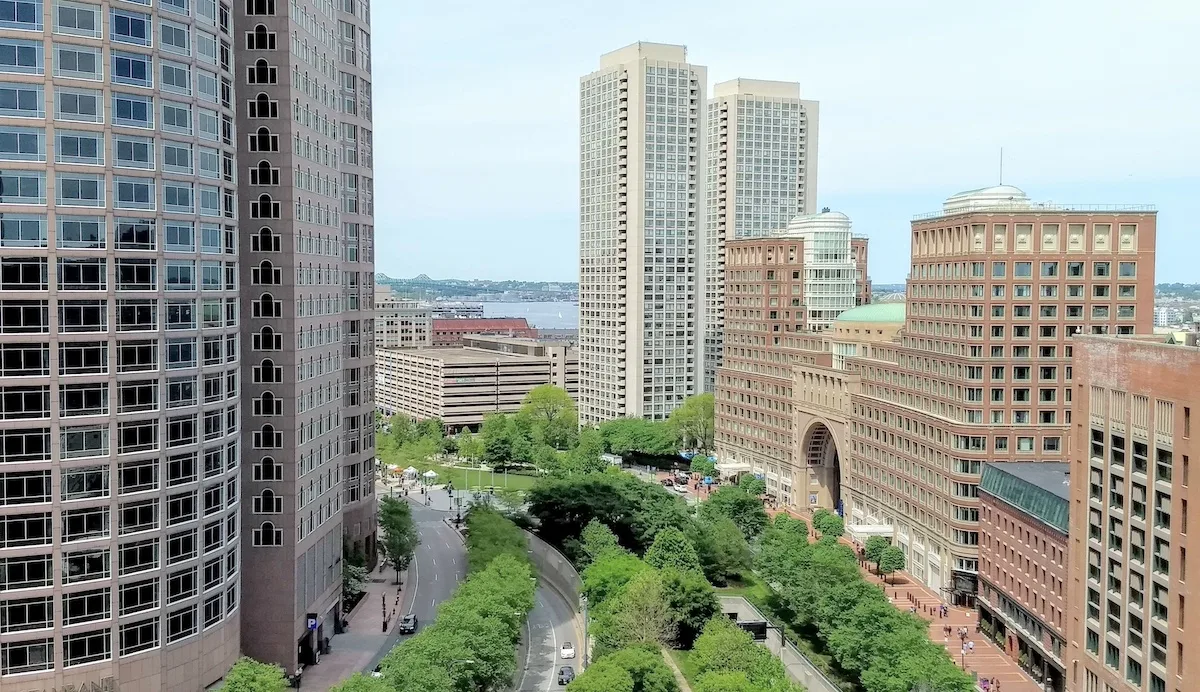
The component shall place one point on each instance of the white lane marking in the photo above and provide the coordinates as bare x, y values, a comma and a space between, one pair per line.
415, 582
435, 576
528, 651
553, 659
433, 603
434, 559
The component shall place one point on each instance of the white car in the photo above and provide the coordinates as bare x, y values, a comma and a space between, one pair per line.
568, 651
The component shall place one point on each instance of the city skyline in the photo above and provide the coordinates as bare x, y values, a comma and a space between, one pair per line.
900, 133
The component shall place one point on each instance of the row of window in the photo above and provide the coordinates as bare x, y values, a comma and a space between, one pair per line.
89, 316
91, 357
92, 399
127, 192
91, 274
127, 151
93, 232
84, 19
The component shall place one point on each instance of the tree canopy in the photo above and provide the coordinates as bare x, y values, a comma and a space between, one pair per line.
745, 510
639, 436
672, 549
249, 675
693, 422
552, 416
400, 537
752, 485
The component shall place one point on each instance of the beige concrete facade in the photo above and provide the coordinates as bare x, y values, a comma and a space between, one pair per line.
762, 172
983, 372
1132, 616
119, 357
463, 385
304, 111
642, 185
401, 323
859, 246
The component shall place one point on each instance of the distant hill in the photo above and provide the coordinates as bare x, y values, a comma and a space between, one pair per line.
425, 288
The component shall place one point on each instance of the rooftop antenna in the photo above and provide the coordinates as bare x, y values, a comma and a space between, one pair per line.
1001, 165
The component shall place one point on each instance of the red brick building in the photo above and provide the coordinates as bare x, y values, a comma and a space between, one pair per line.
450, 331
1023, 522
862, 281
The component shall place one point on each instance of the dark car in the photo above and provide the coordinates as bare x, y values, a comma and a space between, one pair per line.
408, 624
668, 482
565, 675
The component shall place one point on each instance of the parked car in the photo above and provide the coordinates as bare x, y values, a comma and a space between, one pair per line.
681, 489
568, 651
668, 482
408, 624
565, 675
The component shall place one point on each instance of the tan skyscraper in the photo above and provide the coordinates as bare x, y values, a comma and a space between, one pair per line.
982, 371
761, 171
1131, 615
641, 188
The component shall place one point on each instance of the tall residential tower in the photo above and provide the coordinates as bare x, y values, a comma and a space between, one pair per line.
761, 171
120, 426
304, 122
641, 187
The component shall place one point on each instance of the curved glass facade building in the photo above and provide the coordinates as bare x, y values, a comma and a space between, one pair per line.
120, 447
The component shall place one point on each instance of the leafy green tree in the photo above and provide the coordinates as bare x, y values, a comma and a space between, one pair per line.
552, 415
547, 459
752, 485
724, 681
418, 451
400, 539
693, 422
692, 602
585, 457
361, 683
724, 646
703, 465
672, 549
608, 575
833, 526
497, 440
490, 534
634, 510
470, 446
723, 551
595, 540
646, 667
354, 581
638, 435
249, 675
603, 676
733, 502
891, 560
875, 547
403, 429
431, 428
639, 615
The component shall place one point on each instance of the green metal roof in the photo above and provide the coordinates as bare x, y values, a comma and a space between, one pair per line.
875, 312
1039, 489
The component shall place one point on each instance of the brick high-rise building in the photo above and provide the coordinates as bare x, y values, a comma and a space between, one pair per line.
303, 101
120, 429
1132, 617
641, 187
983, 371
862, 280
762, 172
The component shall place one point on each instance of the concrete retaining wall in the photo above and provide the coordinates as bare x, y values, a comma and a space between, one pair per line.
557, 572
798, 667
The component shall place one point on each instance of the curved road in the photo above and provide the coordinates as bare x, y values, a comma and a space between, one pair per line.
439, 565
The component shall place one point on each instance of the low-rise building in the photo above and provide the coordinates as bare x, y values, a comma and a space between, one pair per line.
449, 332
1023, 522
401, 323
462, 385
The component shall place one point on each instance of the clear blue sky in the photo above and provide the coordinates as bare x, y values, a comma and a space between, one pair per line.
476, 113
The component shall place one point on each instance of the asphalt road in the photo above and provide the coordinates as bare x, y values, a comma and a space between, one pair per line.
548, 627
439, 564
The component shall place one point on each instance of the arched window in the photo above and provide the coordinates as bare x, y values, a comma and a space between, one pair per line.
262, 106
263, 140
260, 39
267, 535
264, 208
268, 470
266, 306
261, 72
266, 274
264, 241
267, 340
267, 502
264, 174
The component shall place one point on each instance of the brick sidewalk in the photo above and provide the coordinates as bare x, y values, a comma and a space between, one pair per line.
354, 649
986, 659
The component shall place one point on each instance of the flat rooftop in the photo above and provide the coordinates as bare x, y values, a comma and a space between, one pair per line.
454, 355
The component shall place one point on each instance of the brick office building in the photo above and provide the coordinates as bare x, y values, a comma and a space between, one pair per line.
1132, 619
1023, 564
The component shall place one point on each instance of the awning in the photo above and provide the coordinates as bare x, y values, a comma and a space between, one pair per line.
861, 532
732, 468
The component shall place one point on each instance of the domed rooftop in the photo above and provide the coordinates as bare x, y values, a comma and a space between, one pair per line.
985, 197
875, 312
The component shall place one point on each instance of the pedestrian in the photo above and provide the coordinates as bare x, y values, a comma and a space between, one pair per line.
986, 685
971, 646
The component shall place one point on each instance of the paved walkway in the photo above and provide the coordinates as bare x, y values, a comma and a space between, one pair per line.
354, 650
984, 658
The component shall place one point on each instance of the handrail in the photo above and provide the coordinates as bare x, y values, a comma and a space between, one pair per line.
1035, 208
